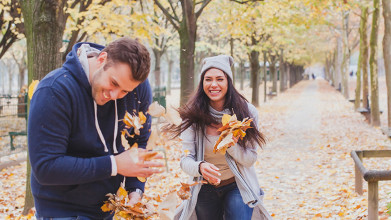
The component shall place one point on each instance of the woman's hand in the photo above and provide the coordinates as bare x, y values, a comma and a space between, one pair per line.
210, 173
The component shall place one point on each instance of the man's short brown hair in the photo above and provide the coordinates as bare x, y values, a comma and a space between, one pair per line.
132, 52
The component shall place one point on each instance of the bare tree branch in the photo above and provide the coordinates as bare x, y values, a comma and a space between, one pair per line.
172, 19
173, 10
204, 4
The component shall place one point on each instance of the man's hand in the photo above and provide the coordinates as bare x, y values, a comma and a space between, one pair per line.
126, 166
134, 198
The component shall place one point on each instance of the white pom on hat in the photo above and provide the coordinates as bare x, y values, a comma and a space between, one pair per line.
221, 62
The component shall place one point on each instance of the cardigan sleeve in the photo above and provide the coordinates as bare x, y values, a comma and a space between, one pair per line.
246, 156
189, 163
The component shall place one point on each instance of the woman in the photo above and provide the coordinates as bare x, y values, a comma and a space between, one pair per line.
232, 192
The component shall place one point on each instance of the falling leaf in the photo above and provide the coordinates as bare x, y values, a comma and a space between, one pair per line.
167, 207
173, 117
142, 117
62, 49
32, 88
133, 121
153, 138
156, 110
184, 191
124, 141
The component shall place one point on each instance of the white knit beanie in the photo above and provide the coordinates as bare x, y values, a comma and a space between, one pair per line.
221, 62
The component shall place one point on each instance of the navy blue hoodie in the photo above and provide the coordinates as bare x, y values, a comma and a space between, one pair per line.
71, 172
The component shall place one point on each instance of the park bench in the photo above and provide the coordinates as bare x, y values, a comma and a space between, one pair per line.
371, 176
366, 112
22, 112
159, 95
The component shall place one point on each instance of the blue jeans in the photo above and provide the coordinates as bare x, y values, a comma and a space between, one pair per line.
68, 218
222, 203
63, 218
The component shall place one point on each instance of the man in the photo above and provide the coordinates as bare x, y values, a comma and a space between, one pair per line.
74, 129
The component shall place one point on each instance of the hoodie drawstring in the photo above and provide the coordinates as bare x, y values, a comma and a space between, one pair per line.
102, 139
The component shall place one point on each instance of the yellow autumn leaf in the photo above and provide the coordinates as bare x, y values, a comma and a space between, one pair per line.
32, 88
226, 118
236, 132
124, 141
133, 121
142, 179
142, 117
106, 207
225, 143
122, 193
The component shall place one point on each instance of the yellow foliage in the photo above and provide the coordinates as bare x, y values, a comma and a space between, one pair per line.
32, 88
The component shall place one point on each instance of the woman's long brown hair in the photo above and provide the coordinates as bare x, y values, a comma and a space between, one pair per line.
196, 112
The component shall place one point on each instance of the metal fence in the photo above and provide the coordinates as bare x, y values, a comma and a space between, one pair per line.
13, 122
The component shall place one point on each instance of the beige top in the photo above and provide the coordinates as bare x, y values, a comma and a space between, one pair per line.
216, 159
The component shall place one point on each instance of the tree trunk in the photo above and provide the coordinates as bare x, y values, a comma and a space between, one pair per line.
338, 64
346, 55
288, 71
242, 74
282, 72
375, 114
10, 76
264, 75
387, 54
364, 69
170, 63
363, 29
187, 35
44, 27
231, 43
158, 55
22, 71
273, 71
334, 66
254, 65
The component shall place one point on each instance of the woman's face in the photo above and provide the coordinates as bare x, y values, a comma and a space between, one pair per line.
215, 85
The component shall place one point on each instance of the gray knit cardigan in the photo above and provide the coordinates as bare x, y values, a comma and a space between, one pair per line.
239, 160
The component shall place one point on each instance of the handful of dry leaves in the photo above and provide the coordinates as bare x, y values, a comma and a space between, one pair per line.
231, 128
118, 203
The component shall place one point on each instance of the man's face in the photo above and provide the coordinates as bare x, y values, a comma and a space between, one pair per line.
113, 83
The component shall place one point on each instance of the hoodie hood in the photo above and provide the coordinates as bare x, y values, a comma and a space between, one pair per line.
77, 64
74, 66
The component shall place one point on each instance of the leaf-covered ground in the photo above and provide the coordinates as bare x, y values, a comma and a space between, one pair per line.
305, 169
